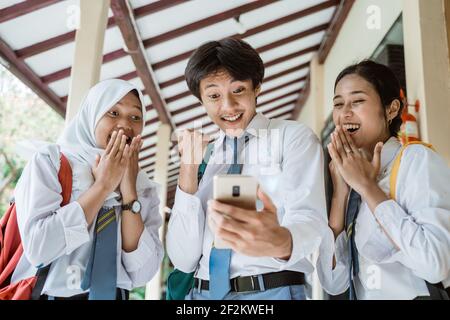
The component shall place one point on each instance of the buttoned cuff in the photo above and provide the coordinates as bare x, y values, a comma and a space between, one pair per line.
74, 223
137, 259
186, 202
304, 242
341, 248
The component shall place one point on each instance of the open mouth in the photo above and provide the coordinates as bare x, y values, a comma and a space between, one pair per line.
232, 118
351, 127
129, 139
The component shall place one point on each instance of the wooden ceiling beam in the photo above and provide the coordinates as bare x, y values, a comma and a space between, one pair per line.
169, 35
339, 16
22, 8
123, 15
22, 71
70, 36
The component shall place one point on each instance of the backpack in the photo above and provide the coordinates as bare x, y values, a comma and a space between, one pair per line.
11, 249
180, 283
437, 291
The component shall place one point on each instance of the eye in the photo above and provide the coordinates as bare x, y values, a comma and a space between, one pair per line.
113, 113
338, 105
213, 96
136, 118
239, 90
358, 101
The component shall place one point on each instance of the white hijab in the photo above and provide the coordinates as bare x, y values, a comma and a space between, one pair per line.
78, 137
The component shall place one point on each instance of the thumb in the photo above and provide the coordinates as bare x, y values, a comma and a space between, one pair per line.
97, 160
376, 160
267, 202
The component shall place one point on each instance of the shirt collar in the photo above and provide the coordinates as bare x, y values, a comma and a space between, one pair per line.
255, 127
388, 152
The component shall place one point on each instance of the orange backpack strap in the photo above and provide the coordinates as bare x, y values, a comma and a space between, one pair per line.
65, 179
396, 166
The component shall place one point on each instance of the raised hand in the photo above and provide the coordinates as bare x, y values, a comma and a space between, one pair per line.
352, 163
192, 146
109, 168
128, 182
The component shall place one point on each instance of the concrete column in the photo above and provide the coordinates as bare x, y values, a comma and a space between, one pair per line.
153, 288
428, 68
88, 52
312, 113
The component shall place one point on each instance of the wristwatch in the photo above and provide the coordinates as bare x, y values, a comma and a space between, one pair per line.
134, 206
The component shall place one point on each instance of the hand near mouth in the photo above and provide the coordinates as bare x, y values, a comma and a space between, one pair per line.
353, 164
128, 182
109, 168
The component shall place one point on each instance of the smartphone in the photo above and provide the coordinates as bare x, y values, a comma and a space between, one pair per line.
237, 190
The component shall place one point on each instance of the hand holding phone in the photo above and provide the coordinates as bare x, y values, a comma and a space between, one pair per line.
236, 190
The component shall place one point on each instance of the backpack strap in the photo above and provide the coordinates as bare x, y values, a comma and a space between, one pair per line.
65, 179
437, 291
396, 166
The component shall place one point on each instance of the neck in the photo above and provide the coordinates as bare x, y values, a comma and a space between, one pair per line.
370, 148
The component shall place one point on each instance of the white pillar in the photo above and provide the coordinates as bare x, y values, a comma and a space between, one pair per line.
153, 288
427, 67
88, 52
312, 113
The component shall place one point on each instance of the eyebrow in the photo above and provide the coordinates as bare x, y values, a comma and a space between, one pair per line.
134, 105
353, 92
215, 85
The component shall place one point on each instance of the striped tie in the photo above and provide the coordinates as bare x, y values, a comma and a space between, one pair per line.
350, 219
101, 271
219, 259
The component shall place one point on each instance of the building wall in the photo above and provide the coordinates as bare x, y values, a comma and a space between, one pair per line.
426, 33
355, 42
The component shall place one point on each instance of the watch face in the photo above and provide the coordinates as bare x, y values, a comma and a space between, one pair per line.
136, 206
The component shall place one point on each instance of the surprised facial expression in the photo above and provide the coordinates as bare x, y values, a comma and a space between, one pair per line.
230, 103
125, 115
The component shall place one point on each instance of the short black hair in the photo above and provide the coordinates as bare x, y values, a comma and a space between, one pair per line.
235, 56
385, 82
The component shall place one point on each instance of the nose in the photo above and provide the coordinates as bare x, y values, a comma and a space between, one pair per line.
229, 103
347, 111
124, 124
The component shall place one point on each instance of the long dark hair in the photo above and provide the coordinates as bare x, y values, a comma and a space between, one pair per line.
386, 84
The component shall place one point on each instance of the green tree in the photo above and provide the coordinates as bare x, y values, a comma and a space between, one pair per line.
23, 115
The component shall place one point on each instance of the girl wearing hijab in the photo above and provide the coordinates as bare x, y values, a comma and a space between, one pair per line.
105, 241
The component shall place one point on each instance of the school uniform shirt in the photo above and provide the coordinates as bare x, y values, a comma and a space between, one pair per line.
418, 222
61, 236
287, 160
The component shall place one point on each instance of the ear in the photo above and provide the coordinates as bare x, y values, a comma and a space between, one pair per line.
258, 90
393, 109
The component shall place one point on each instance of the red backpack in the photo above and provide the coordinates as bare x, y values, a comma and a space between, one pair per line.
11, 249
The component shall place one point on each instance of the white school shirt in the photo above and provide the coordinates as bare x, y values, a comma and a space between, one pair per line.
291, 173
60, 235
418, 222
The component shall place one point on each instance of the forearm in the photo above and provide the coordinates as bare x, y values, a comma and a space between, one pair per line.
373, 195
131, 225
284, 250
337, 213
92, 200
188, 180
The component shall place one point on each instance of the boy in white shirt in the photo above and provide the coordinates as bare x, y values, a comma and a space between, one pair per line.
270, 249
